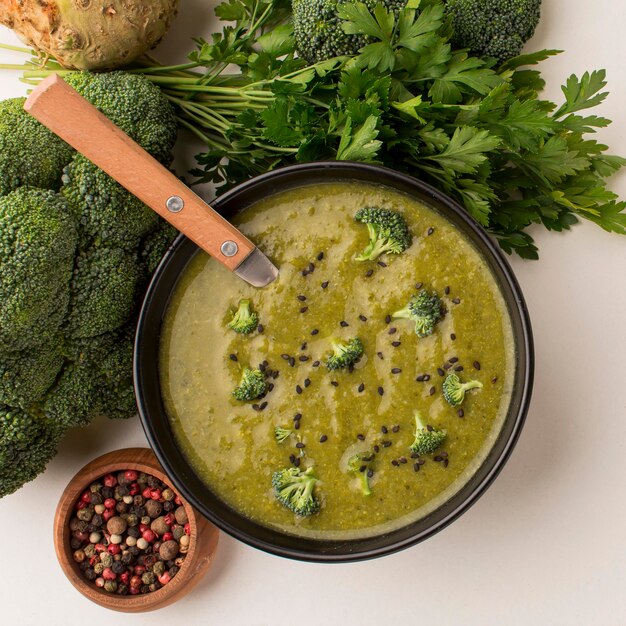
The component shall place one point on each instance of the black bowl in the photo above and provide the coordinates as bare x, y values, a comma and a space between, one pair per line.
160, 435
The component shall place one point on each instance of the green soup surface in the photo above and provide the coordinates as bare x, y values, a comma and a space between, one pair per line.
323, 293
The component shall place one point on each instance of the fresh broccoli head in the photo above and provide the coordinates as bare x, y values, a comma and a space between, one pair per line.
427, 438
344, 353
245, 320
281, 434
251, 386
359, 465
27, 443
103, 292
493, 28
318, 29
26, 375
454, 390
37, 245
29, 153
387, 230
425, 310
156, 244
107, 213
294, 489
132, 102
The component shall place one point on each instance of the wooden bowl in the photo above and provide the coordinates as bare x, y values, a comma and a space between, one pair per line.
204, 536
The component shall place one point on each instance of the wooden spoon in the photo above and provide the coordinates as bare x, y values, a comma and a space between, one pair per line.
65, 112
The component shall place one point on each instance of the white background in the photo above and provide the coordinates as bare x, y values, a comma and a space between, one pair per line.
546, 543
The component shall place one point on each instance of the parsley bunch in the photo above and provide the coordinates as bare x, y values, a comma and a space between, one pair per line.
407, 100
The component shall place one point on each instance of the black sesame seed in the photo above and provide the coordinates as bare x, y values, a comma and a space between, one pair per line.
369, 273
305, 273
297, 416
270, 387
334, 383
431, 391
418, 285
395, 370
453, 337
426, 376
351, 368
316, 363
285, 356
395, 429
320, 256
311, 267
382, 264
300, 445
297, 462
438, 458
376, 449
303, 346
315, 331
303, 358
292, 458
458, 368
304, 309
255, 407
395, 344
392, 330
460, 413
301, 298
292, 361
445, 462
298, 389
429, 428
446, 290
343, 324
384, 430
415, 455
420, 378
297, 425
275, 374
386, 444
416, 467
440, 372
323, 438
402, 459
307, 382
260, 328
476, 365
387, 319
232, 357
430, 231
494, 379
325, 284
456, 300
447, 366
360, 437
363, 318
381, 391
395, 463
360, 387
262, 367
380, 355
262, 406
454, 359
370, 473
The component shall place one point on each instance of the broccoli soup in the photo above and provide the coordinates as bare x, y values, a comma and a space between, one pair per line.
358, 391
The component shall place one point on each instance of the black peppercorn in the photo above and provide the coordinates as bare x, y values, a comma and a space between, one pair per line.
118, 567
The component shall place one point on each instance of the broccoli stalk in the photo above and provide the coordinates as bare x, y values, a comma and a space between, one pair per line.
427, 438
387, 230
244, 320
454, 390
344, 354
281, 434
358, 464
294, 489
251, 386
424, 310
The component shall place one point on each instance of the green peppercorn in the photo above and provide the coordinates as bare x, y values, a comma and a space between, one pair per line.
110, 586
85, 514
98, 568
158, 568
173, 571
106, 559
122, 589
89, 550
168, 494
95, 487
144, 589
148, 578
132, 519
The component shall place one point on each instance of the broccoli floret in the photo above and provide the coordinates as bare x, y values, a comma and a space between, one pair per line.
26, 375
344, 353
358, 464
427, 438
425, 310
251, 386
103, 292
387, 230
318, 30
37, 245
493, 28
108, 215
132, 102
29, 153
281, 434
245, 320
294, 489
454, 390
156, 244
27, 443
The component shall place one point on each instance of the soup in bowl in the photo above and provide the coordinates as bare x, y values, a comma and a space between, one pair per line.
359, 402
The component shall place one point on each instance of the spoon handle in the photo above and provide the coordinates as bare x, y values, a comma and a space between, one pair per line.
65, 112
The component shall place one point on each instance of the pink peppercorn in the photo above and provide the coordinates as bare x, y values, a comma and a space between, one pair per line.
167, 537
108, 574
135, 581
165, 578
146, 493
149, 535
138, 570
143, 528
109, 503
155, 494
109, 480
170, 519
81, 536
134, 591
108, 514
178, 501
131, 475
114, 548
125, 578
100, 581
86, 496
100, 547
133, 490
80, 505
187, 529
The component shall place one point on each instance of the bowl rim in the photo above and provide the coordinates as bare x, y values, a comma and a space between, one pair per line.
489, 250
195, 565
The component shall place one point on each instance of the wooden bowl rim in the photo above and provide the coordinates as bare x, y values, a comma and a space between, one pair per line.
111, 462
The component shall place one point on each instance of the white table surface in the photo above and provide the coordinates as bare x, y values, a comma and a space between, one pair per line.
544, 545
